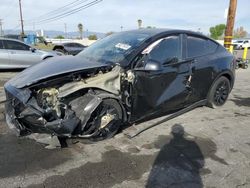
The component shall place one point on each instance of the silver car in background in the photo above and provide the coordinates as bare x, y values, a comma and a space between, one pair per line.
16, 54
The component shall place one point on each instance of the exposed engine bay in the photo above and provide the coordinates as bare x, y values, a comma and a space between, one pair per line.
69, 108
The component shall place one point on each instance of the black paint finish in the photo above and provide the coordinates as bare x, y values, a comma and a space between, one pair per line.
158, 89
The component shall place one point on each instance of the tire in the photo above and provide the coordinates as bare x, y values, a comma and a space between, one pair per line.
219, 92
108, 106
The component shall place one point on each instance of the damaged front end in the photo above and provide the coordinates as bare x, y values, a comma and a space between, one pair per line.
63, 108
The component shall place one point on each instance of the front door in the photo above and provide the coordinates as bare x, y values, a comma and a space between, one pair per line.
165, 88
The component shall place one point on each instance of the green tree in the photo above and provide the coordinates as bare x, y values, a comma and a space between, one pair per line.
92, 37
59, 37
217, 31
80, 29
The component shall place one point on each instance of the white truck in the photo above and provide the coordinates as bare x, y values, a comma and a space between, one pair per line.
241, 44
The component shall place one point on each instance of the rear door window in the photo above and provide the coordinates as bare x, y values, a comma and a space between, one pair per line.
14, 45
197, 46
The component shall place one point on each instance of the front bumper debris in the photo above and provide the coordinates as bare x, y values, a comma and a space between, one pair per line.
25, 116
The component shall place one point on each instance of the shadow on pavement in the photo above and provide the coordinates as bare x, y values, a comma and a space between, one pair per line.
21, 156
240, 101
178, 163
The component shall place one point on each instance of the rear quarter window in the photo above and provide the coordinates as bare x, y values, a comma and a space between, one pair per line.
197, 46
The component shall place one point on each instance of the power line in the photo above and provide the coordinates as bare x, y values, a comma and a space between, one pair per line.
65, 14
59, 16
68, 13
59, 10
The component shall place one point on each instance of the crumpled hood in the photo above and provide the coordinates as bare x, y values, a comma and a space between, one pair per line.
52, 67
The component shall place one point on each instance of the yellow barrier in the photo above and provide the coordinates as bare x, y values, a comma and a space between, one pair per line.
244, 57
231, 49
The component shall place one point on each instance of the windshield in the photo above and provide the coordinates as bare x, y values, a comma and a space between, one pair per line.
114, 48
239, 41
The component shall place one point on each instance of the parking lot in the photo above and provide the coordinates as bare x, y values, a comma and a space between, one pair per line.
214, 152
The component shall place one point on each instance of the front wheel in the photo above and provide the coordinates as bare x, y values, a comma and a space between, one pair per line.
107, 120
219, 92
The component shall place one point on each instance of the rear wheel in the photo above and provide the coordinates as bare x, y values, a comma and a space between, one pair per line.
106, 120
219, 92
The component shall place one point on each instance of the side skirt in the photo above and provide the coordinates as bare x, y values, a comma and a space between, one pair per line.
167, 118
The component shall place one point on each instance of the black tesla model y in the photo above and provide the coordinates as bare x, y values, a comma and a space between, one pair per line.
124, 78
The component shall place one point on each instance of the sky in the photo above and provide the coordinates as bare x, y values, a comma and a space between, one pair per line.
110, 15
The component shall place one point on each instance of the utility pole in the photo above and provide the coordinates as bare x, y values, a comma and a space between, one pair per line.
21, 17
1, 27
65, 30
230, 24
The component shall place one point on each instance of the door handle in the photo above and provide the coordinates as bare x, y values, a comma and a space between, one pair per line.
12, 52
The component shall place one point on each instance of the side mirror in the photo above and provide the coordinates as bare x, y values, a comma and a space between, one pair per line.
152, 65
32, 49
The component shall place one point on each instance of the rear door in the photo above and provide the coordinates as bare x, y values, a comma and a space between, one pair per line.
165, 89
202, 52
20, 54
4, 56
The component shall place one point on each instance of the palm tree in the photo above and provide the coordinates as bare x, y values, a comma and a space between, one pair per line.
80, 29
139, 23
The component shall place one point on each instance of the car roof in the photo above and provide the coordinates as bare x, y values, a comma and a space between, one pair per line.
2, 38
154, 31
157, 31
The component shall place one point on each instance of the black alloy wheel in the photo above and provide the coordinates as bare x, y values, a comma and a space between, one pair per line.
107, 120
219, 92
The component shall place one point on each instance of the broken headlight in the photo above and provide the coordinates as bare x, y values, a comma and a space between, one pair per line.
48, 100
